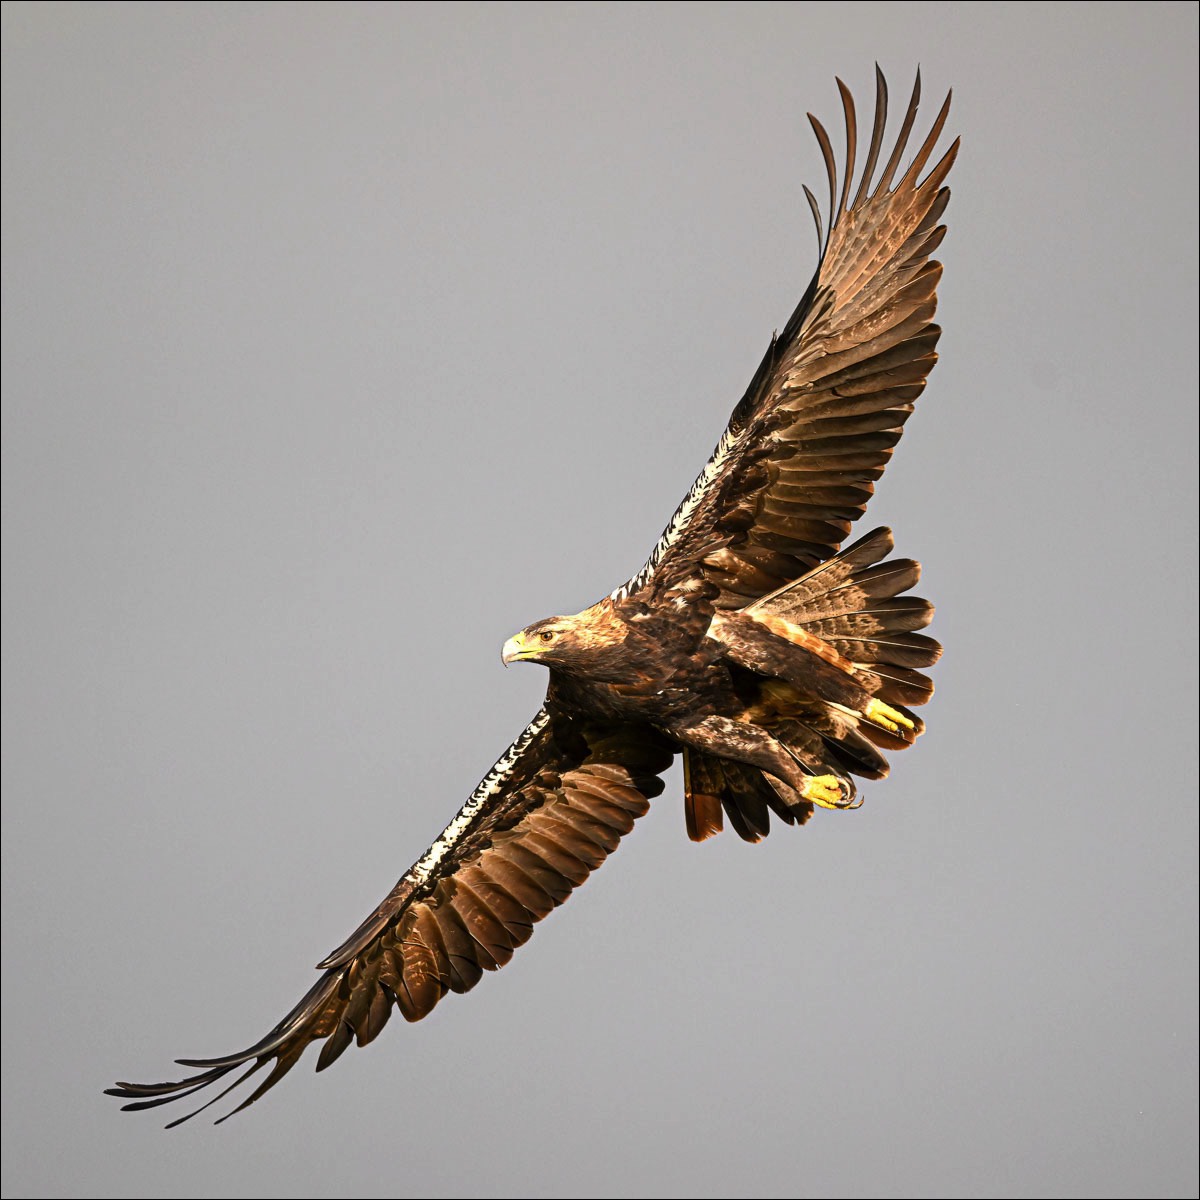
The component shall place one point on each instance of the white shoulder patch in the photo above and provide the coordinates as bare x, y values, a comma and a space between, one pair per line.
726, 448
491, 784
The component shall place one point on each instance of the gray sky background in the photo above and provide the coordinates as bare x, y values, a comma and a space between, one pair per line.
341, 342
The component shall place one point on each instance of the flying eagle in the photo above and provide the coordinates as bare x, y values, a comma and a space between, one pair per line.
778, 665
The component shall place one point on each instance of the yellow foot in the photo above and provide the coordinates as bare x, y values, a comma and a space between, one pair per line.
829, 791
888, 717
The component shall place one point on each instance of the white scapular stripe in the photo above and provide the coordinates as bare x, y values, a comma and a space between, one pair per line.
726, 447
422, 871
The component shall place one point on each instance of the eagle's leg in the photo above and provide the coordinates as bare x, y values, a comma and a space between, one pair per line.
891, 719
774, 647
753, 745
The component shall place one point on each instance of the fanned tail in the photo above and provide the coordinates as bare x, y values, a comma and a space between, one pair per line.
831, 664
854, 603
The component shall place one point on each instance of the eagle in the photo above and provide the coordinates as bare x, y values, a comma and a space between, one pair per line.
776, 662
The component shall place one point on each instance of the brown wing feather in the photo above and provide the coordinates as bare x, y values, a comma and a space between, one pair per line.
815, 429
550, 812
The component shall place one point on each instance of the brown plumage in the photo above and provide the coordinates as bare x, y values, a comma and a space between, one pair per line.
778, 667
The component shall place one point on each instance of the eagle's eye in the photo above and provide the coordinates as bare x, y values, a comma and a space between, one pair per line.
546, 635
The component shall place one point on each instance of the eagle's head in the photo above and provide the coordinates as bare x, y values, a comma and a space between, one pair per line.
567, 642
547, 641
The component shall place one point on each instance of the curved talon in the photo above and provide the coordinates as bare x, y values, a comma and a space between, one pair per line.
887, 716
829, 791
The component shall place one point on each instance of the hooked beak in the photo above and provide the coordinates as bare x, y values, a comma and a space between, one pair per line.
514, 649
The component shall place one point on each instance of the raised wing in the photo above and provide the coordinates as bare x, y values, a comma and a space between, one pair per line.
548, 813
816, 427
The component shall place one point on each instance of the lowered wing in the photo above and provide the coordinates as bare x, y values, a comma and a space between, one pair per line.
548, 813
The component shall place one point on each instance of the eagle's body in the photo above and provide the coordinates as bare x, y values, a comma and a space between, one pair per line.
722, 684
628, 663
776, 664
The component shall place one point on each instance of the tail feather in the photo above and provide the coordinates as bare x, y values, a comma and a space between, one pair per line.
828, 575
854, 603
826, 736
846, 620
701, 797
898, 685
715, 788
894, 614
748, 812
893, 649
